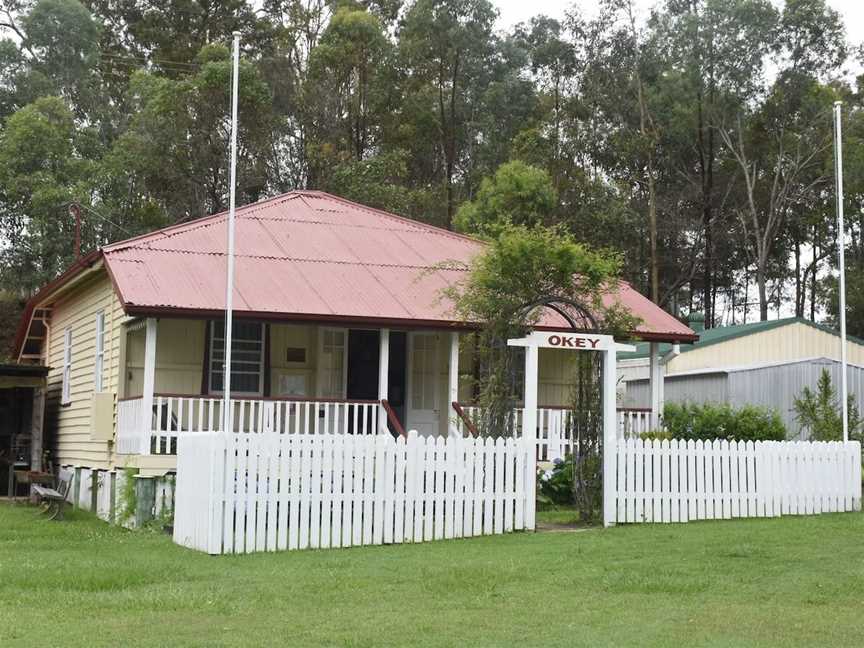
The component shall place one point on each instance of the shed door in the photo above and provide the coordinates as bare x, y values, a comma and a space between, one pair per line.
423, 400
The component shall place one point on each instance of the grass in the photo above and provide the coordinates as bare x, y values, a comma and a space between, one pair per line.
552, 515
789, 581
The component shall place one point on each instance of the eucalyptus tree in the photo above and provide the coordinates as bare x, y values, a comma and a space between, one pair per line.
780, 154
717, 52
555, 64
346, 95
175, 149
782, 148
445, 47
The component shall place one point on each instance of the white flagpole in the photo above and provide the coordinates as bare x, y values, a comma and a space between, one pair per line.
227, 418
841, 251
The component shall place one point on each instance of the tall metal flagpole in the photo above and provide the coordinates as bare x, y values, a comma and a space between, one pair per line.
841, 251
227, 418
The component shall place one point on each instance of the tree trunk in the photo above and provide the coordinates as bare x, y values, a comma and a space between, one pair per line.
799, 288
707, 270
652, 233
763, 293
813, 277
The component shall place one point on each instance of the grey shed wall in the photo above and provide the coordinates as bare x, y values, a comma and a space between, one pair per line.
774, 386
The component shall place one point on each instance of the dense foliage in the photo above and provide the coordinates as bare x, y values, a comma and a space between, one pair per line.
710, 421
694, 143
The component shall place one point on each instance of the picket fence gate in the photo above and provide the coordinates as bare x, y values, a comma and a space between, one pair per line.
678, 481
241, 493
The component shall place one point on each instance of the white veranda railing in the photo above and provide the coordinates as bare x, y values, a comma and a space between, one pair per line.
554, 436
173, 416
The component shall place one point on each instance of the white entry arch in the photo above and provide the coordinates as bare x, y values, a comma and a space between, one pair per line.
569, 340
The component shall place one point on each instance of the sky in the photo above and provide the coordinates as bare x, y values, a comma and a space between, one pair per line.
516, 11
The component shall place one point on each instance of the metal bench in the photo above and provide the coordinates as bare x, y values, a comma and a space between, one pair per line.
54, 499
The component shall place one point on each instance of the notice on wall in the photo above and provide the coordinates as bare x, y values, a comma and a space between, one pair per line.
292, 385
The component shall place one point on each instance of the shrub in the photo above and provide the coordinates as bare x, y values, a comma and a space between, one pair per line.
656, 435
709, 421
556, 486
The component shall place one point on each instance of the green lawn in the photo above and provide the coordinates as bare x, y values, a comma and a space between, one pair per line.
788, 582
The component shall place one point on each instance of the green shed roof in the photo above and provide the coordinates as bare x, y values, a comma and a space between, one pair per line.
726, 333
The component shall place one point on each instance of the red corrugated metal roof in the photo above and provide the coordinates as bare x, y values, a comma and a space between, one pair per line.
310, 255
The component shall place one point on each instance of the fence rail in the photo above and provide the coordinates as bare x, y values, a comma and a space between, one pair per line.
678, 481
240, 493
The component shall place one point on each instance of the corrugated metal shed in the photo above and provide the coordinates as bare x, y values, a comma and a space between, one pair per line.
310, 255
772, 385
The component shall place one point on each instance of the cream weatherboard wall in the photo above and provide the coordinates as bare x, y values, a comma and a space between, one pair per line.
179, 358
71, 423
790, 342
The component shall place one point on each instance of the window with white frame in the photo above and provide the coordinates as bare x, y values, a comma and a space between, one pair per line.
99, 360
66, 392
332, 363
247, 357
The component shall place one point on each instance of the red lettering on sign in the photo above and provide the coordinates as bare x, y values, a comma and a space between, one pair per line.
572, 342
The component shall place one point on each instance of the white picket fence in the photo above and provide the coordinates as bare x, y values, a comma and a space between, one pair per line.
240, 493
678, 481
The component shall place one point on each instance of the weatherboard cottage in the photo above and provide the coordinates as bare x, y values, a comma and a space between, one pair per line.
340, 327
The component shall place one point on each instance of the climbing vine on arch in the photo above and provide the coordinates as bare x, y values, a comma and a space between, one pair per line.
522, 273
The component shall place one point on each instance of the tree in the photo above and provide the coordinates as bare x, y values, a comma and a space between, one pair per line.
176, 147
780, 158
620, 58
819, 412
518, 194
445, 47
345, 95
717, 53
554, 62
44, 168
380, 181
171, 34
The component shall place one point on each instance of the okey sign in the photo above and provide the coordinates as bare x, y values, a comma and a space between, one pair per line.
564, 340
